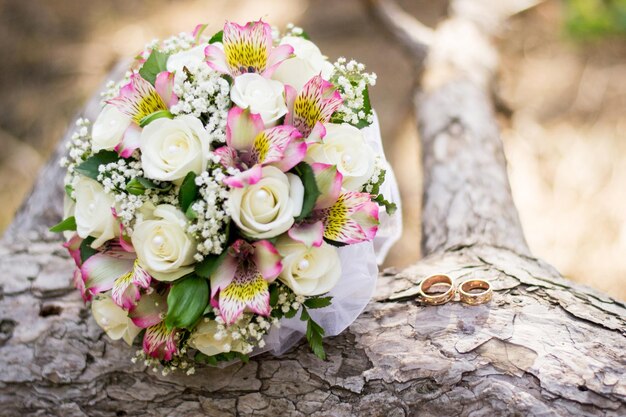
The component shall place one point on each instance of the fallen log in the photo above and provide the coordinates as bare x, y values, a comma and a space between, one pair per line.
544, 346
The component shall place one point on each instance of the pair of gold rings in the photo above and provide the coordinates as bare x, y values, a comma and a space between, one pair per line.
472, 292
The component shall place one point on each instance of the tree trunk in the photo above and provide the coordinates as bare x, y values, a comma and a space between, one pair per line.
544, 346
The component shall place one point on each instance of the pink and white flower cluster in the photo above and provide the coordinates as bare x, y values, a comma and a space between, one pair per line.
208, 199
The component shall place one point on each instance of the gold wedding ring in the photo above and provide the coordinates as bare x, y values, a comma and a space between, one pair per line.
475, 298
436, 298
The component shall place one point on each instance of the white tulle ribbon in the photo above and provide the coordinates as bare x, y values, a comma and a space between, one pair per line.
359, 264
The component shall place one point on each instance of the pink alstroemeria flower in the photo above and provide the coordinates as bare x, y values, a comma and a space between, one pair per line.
139, 99
158, 341
343, 217
312, 107
249, 146
247, 49
115, 270
73, 247
242, 279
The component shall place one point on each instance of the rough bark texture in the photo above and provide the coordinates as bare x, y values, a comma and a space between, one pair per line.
544, 346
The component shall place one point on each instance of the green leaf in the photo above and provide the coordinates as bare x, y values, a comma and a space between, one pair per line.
304, 35
311, 192
390, 207
186, 301
139, 185
318, 302
338, 117
203, 358
217, 37
86, 251
190, 213
68, 224
155, 64
291, 313
304, 316
367, 108
89, 168
188, 191
156, 115
135, 187
274, 295
209, 264
222, 357
314, 335
69, 190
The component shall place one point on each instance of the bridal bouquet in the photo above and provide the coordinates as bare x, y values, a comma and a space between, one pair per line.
208, 202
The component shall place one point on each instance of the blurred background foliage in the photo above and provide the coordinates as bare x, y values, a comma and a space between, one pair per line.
595, 18
563, 67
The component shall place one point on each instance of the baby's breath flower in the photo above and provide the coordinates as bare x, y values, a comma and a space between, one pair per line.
352, 82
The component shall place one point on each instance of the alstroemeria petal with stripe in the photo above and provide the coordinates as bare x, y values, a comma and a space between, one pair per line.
242, 279
138, 99
271, 145
247, 49
316, 103
159, 342
328, 180
79, 284
125, 292
149, 311
242, 127
352, 219
101, 270
248, 289
249, 147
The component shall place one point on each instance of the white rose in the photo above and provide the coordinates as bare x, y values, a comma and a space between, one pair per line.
262, 96
344, 145
163, 247
108, 129
307, 270
191, 59
170, 148
307, 63
93, 213
113, 319
267, 208
207, 340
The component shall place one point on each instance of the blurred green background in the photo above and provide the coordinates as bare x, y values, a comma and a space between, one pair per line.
563, 74
595, 18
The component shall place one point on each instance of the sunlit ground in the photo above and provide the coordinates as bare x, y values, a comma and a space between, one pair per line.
565, 141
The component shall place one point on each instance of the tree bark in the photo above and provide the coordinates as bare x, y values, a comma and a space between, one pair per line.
544, 346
